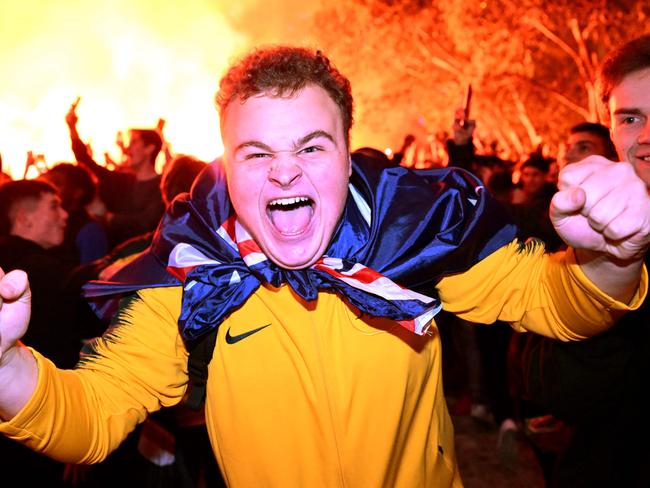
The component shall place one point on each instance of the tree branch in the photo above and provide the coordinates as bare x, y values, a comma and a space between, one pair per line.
557, 95
555, 39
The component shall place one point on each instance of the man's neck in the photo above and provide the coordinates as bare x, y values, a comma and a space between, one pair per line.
145, 172
26, 236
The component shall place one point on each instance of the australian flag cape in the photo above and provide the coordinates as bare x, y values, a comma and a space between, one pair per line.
401, 231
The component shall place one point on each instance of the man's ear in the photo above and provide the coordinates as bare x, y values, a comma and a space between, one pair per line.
22, 219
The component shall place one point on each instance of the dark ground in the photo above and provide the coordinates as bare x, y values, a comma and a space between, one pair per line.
479, 462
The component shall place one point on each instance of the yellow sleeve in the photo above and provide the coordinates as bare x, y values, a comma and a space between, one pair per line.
536, 291
139, 365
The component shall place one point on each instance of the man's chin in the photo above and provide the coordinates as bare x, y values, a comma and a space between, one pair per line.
294, 264
292, 257
293, 252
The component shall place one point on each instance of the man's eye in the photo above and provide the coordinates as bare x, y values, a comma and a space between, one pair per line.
257, 156
630, 119
310, 149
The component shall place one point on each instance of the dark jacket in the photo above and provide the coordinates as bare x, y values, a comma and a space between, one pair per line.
60, 318
137, 205
601, 388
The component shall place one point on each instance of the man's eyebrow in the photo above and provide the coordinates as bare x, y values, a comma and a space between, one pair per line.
314, 135
628, 111
299, 143
257, 144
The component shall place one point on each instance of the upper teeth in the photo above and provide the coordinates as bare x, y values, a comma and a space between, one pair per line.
289, 201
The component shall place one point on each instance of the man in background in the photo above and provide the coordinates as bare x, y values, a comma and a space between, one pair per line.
599, 387
131, 194
587, 139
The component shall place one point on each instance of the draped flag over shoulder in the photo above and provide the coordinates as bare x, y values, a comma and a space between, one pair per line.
401, 231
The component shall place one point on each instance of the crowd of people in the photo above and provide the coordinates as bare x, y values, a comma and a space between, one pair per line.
78, 222
281, 325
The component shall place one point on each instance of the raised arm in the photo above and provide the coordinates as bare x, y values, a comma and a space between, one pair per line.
18, 370
79, 148
461, 147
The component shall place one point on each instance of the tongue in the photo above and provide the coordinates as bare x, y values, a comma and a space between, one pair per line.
292, 221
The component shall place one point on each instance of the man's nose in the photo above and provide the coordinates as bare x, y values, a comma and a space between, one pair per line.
644, 135
285, 170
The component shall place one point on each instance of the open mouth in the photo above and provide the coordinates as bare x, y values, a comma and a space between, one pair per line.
291, 216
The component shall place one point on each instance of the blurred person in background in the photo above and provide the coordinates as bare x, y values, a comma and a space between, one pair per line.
85, 236
587, 139
533, 186
131, 194
177, 177
32, 227
403, 156
530, 202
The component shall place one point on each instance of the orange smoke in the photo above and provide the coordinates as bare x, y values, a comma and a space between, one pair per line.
131, 62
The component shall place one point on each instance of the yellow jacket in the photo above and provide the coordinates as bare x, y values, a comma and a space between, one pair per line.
316, 395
